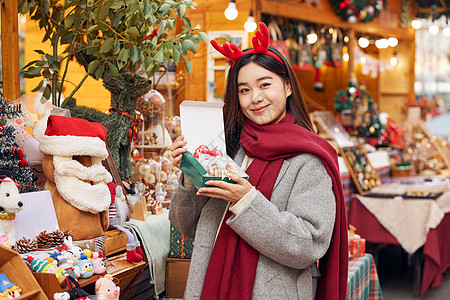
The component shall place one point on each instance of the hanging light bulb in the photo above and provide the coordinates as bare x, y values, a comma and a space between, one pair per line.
433, 29
250, 24
416, 24
311, 37
394, 60
363, 42
446, 31
392, 41
345, 57
231, 12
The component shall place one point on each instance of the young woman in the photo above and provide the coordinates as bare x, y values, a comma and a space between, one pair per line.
283, 233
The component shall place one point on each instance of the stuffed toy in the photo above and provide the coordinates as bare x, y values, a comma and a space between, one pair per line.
69, 267
98, 262
8, 290
117, 220
74, 150
105, 288
86, 268
10, 204
43, 266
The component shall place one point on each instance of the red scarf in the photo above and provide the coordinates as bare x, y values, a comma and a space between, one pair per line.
232, 267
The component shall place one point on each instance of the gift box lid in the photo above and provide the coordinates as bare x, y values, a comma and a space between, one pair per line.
202, 124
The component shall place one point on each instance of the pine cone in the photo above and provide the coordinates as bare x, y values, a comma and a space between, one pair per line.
25, 245
57, 238
44, 240
67, 232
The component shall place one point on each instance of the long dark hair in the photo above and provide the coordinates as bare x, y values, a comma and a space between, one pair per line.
232, 113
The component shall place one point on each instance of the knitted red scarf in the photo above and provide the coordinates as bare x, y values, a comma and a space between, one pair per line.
232, 267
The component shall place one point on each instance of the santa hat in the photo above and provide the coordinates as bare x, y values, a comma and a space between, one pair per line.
66, 136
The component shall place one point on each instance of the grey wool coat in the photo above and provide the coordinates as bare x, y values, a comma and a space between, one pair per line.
290, 232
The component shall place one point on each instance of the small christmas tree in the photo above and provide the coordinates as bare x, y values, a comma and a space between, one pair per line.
13, 161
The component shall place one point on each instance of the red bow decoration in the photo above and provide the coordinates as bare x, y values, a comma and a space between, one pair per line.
203, 149
260, 45
133, 132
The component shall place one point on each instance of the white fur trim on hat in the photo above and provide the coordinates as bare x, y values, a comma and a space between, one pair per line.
68, 145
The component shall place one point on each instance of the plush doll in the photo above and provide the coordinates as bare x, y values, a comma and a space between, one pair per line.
74, 150
88, 253
69, 267
106, 289
98, 262
86, 268
43, 266
117, 220
10, 204
8, 290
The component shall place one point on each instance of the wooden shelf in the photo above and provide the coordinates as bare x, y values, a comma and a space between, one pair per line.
18, 273
118, 267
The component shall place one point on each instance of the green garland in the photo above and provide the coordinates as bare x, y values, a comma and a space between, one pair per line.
358, 10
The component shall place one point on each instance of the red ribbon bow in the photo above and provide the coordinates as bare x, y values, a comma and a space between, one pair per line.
133, 132
203, 149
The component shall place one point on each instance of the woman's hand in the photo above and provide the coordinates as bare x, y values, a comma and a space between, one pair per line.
176, 150
232, 192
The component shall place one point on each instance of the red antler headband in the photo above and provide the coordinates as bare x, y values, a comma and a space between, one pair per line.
260, 45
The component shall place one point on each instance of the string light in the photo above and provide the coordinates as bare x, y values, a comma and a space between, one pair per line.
345, 57
416, 24
231, 12
433, 29
311, 37
363, 42
392, 41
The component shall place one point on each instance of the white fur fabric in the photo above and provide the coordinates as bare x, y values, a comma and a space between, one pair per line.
69, 175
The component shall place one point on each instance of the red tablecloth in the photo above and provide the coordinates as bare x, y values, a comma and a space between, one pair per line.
436, 249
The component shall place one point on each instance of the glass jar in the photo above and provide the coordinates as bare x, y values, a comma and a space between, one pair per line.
152, 107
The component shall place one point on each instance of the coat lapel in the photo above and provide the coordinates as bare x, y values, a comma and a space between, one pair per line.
283, 170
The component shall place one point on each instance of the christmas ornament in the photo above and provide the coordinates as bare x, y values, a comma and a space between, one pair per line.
358, 10
135, 152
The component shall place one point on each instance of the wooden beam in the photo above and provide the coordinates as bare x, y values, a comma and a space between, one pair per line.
10, 49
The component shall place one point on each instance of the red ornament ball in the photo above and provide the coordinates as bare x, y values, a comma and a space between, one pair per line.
21, 154
23, 163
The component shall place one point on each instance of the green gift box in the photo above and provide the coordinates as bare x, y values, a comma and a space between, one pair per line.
180, 246
202, 125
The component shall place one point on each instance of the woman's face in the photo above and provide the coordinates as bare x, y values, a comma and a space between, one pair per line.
262, 94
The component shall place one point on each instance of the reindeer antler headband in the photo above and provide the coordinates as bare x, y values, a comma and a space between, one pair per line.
260, 45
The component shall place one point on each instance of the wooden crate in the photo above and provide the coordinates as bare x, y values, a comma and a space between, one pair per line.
18, 273
177, 270
115, 242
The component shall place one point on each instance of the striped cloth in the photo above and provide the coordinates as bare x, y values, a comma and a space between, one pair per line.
347, 186
363, 279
